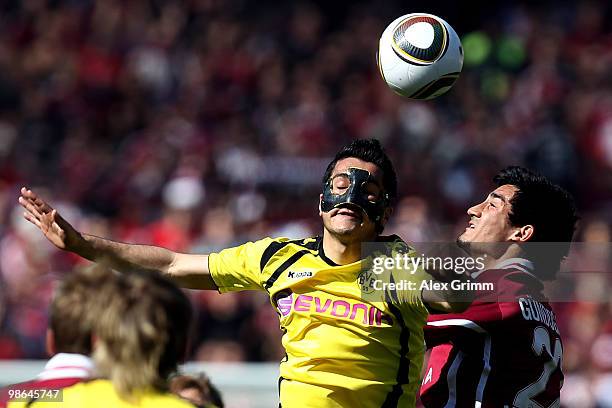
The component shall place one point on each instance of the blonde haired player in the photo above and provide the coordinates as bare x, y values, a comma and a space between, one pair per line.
68, 339
140, 324
344, 349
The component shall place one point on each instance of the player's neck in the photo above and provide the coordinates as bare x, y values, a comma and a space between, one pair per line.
340, 252
513, 251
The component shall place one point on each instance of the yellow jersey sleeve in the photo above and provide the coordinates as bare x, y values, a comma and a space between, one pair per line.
410, 280
414, 297
240, 268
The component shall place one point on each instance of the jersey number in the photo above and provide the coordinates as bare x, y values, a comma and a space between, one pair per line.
541, 344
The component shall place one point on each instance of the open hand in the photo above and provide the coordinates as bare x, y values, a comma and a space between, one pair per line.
53, 226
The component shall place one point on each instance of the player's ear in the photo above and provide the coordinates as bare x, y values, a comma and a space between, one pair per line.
522, 234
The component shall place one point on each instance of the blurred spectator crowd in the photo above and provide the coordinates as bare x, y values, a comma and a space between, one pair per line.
200, 124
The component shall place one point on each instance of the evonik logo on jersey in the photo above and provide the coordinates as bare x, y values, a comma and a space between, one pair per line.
297, 275
287, 302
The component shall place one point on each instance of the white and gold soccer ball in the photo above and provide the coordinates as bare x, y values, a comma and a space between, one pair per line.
420, 56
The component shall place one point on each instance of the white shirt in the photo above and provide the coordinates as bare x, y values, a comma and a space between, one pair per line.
67, 365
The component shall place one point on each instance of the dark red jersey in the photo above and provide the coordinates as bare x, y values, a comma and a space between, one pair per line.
503, 351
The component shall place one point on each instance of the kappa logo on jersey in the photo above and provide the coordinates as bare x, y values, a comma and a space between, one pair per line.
297, 275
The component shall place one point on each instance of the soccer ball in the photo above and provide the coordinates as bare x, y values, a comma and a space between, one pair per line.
420, 56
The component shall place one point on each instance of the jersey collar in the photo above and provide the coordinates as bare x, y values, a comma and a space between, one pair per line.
522, 264
67, 365
322, 252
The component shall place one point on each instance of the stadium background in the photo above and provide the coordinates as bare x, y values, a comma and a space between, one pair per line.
201, 124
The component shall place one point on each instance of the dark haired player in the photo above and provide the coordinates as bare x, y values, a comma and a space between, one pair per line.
342, 350
505, 349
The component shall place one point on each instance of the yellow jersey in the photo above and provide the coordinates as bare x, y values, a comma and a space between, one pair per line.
102, 394
343, 348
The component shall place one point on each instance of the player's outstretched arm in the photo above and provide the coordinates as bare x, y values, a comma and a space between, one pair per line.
187, 270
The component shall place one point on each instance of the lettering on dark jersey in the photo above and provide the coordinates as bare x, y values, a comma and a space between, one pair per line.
536, 311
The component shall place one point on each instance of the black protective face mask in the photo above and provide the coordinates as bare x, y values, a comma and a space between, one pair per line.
356, 186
